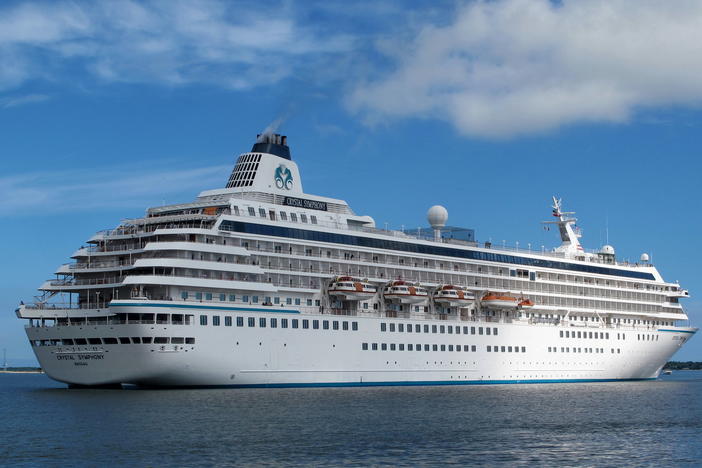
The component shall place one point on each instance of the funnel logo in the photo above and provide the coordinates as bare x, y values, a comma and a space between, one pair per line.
283, 177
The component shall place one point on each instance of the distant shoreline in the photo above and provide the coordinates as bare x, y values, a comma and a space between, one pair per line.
10, 370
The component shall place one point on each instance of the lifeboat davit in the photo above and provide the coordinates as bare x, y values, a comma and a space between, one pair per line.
453, 296
351, 289
405, 292
502, 301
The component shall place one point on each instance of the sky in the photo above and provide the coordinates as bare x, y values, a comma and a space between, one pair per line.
486, 107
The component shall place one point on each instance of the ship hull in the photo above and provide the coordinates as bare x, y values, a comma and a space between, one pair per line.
265, 356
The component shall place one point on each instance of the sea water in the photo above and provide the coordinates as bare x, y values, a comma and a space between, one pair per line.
605, 424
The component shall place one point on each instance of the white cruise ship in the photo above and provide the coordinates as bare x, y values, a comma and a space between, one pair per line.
261, 284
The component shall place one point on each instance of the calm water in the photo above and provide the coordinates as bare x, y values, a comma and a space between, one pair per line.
614, 424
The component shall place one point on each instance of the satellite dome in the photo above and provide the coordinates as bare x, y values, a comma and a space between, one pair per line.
644, 257
607, 249
437, 216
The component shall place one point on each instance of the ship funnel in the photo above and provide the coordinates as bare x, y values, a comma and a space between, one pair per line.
272, 143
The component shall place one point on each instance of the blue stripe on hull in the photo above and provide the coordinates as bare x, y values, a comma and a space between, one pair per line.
408, 383
194, 306
677, 331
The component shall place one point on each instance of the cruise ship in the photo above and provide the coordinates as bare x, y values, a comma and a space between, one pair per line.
259, 284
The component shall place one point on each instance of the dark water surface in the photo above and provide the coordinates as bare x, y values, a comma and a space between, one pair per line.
603, 424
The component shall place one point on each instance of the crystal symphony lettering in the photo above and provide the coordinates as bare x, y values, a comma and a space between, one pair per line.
304, 203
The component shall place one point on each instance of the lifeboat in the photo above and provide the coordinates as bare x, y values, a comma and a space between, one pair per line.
351, 289
405, 292
525, 304
502, 301
453, 296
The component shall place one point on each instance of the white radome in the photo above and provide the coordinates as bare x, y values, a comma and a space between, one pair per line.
645, 257
607, 249
437, 216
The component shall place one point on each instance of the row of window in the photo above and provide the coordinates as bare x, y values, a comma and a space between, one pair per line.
120, 340
264, 322
586, 335
647, 337
437, 347
450, 329
386, 244
416, 347
265, 300
283, 215
567, 349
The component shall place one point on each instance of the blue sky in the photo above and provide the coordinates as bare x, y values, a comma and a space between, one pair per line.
488, 108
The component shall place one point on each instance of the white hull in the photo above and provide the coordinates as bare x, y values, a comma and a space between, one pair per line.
243, 356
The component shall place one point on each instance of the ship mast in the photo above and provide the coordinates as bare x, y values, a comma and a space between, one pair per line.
570, 245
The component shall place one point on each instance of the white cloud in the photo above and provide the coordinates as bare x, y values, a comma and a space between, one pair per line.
91, 189
15, 101
511, 67
236, 45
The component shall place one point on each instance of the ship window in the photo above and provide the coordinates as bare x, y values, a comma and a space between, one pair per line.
325, 324
198, 296
524, 349
109, 340
442, 329
480, 330
295, 323
426, 328
252, 322
417, 328
305, 324
435, 347
274, 323
262, 322
345, 325
262, 212
313, 219
288, 300
392, 327
516, 349
494, 331
136, 340
227, 321
177, 340
561, 333
184, 295
283, 216
293, 217
252, 212
426, 347
161, 340
433, 328
254, 299
472, 330
335, 325
466, 348
392, 346
67, 342
354, 326
458, 330
487, 331
450, 347
203, 320
297, 301
240, 321
208, 296
236, 210
245, 298
409, 328
222, 297
489, 348
401, 346
145, 340
401, 327
410, 347
364, 346
303, 218
383, 326
284, 323
384, 347
375, 346
215, 320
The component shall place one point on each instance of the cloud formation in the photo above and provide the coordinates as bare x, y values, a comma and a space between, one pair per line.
235, 45
513, 67
91, 189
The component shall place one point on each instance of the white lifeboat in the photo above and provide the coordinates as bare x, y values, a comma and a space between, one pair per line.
453, 296
502, 301
351, 289
405, 292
